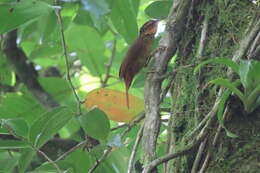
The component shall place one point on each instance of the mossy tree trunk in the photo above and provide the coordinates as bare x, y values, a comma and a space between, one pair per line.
213, 29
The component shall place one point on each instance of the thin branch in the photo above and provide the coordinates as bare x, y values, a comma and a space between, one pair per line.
203, 37
102, 158
119, 126
109, 65
134, 150
254, 48
206, 160
187, 150
65, 53
79, 145
48, 159
246, 42
198, 156
206, 118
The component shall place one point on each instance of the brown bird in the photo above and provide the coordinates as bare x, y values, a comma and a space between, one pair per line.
138, 54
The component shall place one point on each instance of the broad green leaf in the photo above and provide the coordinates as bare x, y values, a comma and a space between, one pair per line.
20, 13
7, 76
95, 123
46, 52
97, 9
225, 61
83, 18
12, 144
119, 159
124, 20
229, 85
79, 160
47, 26
113, 103
18, 125
8, 161
249, 73
63, 94
139, 81
158, 9
48, 125
20, 105
70, 129
135, 5
25, 159
88, 45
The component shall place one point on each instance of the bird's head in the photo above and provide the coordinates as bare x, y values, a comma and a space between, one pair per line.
149, 28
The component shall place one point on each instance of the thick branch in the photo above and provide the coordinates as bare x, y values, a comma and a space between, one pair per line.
174, 31
25, 70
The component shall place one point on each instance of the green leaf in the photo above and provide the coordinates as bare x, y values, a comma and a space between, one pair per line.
20, 13
20, 105
252, 102
96, 124
139, 81
225, 61
8, 161
119, 159
249, 73
7, 76
124, 20
221, 108
229, 85
135, 4
19, 126
80, 160
83, 18
63, 94
158, 9
48, 125
97, 9
89, 47
25, 159
12, 144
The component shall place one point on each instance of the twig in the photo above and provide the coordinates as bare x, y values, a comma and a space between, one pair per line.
135, 147
102, 158
119, 126
65, 53
70, 150
48, 159
108, 66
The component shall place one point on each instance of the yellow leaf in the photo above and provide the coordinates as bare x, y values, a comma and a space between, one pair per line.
113, 103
